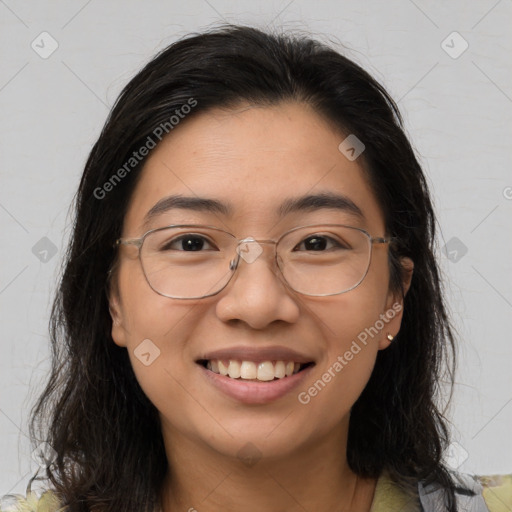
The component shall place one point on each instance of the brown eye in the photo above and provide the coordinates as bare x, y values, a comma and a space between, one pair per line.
318, 243
187, 243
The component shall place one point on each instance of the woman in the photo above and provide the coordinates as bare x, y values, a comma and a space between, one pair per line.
250, 315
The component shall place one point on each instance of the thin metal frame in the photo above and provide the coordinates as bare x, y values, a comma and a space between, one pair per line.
138, 242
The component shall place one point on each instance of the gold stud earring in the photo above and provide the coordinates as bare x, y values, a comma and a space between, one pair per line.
390, 337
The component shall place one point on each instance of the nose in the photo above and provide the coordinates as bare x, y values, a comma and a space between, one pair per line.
257, 295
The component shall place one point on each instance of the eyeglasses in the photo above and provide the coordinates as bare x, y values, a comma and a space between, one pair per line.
190, 261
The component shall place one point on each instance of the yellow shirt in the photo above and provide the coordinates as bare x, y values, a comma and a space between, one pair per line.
388, 497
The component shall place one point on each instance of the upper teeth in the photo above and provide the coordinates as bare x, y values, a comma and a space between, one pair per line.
266, 370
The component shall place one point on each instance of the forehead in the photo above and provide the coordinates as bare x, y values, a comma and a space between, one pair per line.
253, 159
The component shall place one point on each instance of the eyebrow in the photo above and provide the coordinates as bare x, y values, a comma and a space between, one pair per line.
306, 203
326, 200
198, 204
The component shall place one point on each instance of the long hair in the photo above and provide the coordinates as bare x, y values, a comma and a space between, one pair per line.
105, 433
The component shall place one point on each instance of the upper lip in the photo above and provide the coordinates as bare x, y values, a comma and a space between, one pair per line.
257, 354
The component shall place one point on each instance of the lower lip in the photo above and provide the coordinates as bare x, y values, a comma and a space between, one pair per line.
253, 392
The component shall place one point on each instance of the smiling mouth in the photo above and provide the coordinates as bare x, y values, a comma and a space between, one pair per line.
264, 371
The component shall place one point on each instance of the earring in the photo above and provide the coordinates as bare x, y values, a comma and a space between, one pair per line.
390, 337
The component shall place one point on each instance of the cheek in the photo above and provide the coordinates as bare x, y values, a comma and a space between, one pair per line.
146, 314
162, 357
157, 330
350, 327
347, 317
351, 336
346, 364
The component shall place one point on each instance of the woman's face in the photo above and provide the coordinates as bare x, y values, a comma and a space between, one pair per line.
252, 160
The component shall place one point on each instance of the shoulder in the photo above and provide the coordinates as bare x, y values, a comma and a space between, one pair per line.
497, 492
46, 502
486, 493
481, 493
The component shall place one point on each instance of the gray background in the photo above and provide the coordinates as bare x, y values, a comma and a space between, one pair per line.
457, 105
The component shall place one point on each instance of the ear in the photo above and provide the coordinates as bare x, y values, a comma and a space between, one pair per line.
116, 313
395, 304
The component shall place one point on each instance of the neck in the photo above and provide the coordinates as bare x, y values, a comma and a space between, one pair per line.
314, 477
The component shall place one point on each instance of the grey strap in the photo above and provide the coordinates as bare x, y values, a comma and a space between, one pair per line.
468, 493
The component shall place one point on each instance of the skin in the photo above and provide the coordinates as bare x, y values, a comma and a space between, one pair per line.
253, 158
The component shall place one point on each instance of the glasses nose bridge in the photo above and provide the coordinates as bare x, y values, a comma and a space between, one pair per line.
250, 249
252, 240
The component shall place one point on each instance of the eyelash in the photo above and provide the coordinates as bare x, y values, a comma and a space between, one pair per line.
167, 245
